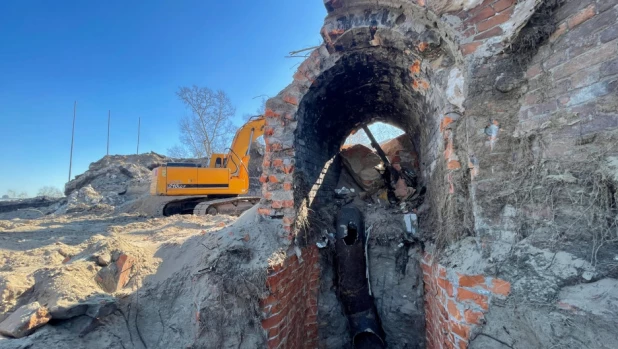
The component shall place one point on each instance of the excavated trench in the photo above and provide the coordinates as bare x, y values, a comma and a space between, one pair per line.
371, 292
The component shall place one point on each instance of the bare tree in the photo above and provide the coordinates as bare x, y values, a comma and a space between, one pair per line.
50, 191
11, 193
208, 128
178, 152
22, 195
259, 111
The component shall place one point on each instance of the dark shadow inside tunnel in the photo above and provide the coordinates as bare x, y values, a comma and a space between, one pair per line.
363, 87
378, 84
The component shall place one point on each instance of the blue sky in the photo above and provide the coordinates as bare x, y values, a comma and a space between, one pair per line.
130, 57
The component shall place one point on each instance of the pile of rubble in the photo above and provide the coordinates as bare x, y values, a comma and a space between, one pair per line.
372, 180
110, 182
137, 283
80, 291
389, 198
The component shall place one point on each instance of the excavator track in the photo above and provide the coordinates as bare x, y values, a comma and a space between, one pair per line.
203, 205
230, 206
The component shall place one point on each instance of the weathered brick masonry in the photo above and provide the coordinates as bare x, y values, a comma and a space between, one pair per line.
455, 303
291, 310
441, 70
574, 77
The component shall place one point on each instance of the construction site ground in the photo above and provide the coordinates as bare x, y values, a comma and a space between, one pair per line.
52, 260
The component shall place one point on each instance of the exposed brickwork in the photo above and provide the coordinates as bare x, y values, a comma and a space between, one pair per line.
485, 25
571, 82
455, 303
570, 78
308, 179
291, 309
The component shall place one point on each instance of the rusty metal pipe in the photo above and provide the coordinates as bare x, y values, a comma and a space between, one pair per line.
352, 280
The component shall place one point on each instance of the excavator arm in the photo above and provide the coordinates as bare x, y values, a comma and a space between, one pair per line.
238, 156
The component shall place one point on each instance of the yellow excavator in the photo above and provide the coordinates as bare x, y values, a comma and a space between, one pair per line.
213, 188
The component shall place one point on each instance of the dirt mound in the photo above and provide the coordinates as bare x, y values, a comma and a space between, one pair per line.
117, 177
29, 208
173, 282
85, 283
86, 199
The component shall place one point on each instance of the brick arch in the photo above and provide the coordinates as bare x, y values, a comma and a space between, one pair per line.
451, 39
444, 35
420, 64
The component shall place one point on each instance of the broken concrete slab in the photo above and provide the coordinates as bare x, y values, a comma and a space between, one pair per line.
361, 162
401, 150
97, 306
25, 320
11, 288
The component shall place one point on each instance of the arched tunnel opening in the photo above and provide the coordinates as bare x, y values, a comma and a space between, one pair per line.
375, 84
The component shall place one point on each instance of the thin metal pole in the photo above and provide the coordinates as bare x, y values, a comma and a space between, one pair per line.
376, 146
72, 140
139, 122
109, 113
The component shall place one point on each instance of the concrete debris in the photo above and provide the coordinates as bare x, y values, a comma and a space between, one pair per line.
29, 208
103, 259
115, 276
25, 320
598, 298
116, 173
11, 288
343, 191
455, 89
588, 275
86, 199
255, 168
507, 82
411, 222
322, 244
400, 150
360, 162
97, 306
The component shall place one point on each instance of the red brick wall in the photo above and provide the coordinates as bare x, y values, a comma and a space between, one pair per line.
484, 22
455, 303
572, 80
291, 309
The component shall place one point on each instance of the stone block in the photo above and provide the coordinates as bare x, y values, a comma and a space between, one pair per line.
360, 162
593, 57
116, 275
588, 93
25, 320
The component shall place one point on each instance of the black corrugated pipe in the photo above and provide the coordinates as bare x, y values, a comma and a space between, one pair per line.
354, 292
